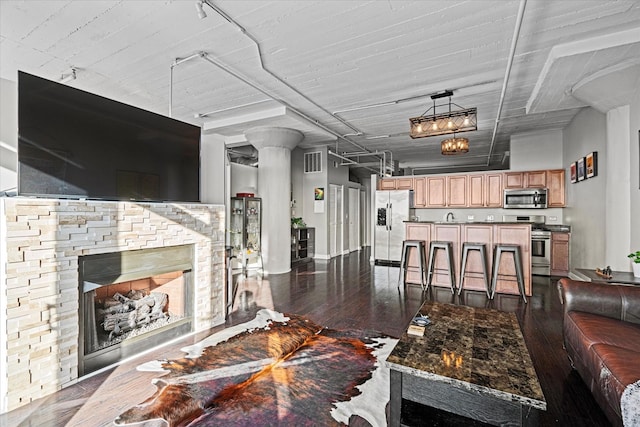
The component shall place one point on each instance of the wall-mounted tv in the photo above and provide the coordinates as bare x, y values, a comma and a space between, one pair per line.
75, 144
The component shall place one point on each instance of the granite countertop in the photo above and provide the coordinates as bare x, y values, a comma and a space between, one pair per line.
549, 227
468, 222
471, 348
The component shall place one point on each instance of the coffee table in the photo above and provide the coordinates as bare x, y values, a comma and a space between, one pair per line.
472, 362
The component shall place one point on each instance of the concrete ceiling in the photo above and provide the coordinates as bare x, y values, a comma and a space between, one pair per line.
348, 74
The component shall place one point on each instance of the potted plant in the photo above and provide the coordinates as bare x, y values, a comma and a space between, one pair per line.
297, 223
635, 260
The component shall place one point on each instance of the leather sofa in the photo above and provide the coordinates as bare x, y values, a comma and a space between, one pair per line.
601, 331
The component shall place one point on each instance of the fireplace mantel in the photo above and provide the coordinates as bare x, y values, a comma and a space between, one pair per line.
40, 242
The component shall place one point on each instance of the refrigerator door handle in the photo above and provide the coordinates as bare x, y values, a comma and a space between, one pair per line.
389, 215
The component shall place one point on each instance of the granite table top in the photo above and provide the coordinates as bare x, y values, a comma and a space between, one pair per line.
471, 348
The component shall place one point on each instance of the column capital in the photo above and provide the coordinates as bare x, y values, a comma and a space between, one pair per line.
264, 136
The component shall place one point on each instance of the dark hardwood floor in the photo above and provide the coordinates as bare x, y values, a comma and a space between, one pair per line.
346, 292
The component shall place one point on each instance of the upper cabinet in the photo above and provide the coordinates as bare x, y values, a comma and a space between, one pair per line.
405, 183
535, 179
477, 190
436, 191
493, 190
420, 192
514, 180
400, 183
457, 191
485, 190
555, 184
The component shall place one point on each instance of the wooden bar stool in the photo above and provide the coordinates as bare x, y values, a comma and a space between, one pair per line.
481, 248
448, 248
498, 250
422, 256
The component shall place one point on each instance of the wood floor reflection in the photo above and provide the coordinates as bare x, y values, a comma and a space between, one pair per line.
345, 293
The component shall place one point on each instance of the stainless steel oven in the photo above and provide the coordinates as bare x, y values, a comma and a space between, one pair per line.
540, 242
541, 252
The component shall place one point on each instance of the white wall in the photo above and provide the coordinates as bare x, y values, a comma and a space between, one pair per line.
8, 134
536, 150
244, 179
634, 158
617, 195
304, 186
585, 210
212, 169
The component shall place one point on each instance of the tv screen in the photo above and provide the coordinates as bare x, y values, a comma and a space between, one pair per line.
75, 144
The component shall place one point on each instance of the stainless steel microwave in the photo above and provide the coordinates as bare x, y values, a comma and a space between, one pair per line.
525, 198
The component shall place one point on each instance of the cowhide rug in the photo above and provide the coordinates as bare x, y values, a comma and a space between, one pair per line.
273, 370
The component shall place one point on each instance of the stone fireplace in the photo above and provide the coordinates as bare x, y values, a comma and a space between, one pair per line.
58, 285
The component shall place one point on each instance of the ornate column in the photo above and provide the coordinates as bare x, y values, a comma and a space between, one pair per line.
274, 147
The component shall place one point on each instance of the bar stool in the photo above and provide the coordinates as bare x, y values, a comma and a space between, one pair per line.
422, 256
481, 248
498, 250
448, 248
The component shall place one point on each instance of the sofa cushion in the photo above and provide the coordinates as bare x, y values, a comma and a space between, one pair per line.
585, 330
618, 367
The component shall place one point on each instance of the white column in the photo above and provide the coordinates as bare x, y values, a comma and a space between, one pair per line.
274, 147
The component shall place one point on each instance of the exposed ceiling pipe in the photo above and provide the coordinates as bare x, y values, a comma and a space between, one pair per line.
175, 63
512, 53
244, 31
222, 110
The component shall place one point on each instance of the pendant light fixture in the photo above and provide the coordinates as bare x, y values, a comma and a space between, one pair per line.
448, 122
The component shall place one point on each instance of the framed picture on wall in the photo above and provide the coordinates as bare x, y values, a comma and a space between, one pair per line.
592, 164
573, 168
581, 171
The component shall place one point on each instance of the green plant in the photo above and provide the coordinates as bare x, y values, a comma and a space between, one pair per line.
635, 257
298, 222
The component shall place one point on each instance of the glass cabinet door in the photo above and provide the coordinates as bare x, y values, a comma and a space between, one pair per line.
252, 229
236, 226
245, 231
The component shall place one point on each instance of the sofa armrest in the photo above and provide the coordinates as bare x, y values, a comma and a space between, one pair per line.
611, 300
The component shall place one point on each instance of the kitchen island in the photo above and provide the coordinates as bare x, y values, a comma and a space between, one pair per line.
489, 233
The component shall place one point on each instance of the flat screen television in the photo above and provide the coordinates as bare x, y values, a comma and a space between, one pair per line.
75, 144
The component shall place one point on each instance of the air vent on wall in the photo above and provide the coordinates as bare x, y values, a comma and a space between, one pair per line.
313, 162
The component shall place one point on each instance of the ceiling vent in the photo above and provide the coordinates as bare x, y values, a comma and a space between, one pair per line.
313, 162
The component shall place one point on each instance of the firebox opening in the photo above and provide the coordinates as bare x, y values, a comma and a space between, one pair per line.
132, 301
128, 309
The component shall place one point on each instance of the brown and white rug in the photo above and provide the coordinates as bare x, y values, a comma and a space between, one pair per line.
274, 370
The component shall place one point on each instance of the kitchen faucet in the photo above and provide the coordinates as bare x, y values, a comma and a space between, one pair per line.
452, 217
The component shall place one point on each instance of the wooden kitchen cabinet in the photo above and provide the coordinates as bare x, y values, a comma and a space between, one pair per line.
401, 183
436, 192
513, 179
556, 186
457, 191
387, 184
405, 183
535, 179
420, 192
485, 190
476, 197
493, 190
560, 253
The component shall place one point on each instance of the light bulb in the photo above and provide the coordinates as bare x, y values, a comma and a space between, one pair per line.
466, 120
419, 128
449, 124
435, 126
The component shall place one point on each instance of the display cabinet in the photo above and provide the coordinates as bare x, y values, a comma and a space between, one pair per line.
245, 232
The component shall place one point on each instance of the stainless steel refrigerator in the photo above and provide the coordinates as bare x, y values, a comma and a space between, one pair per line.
392, 208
